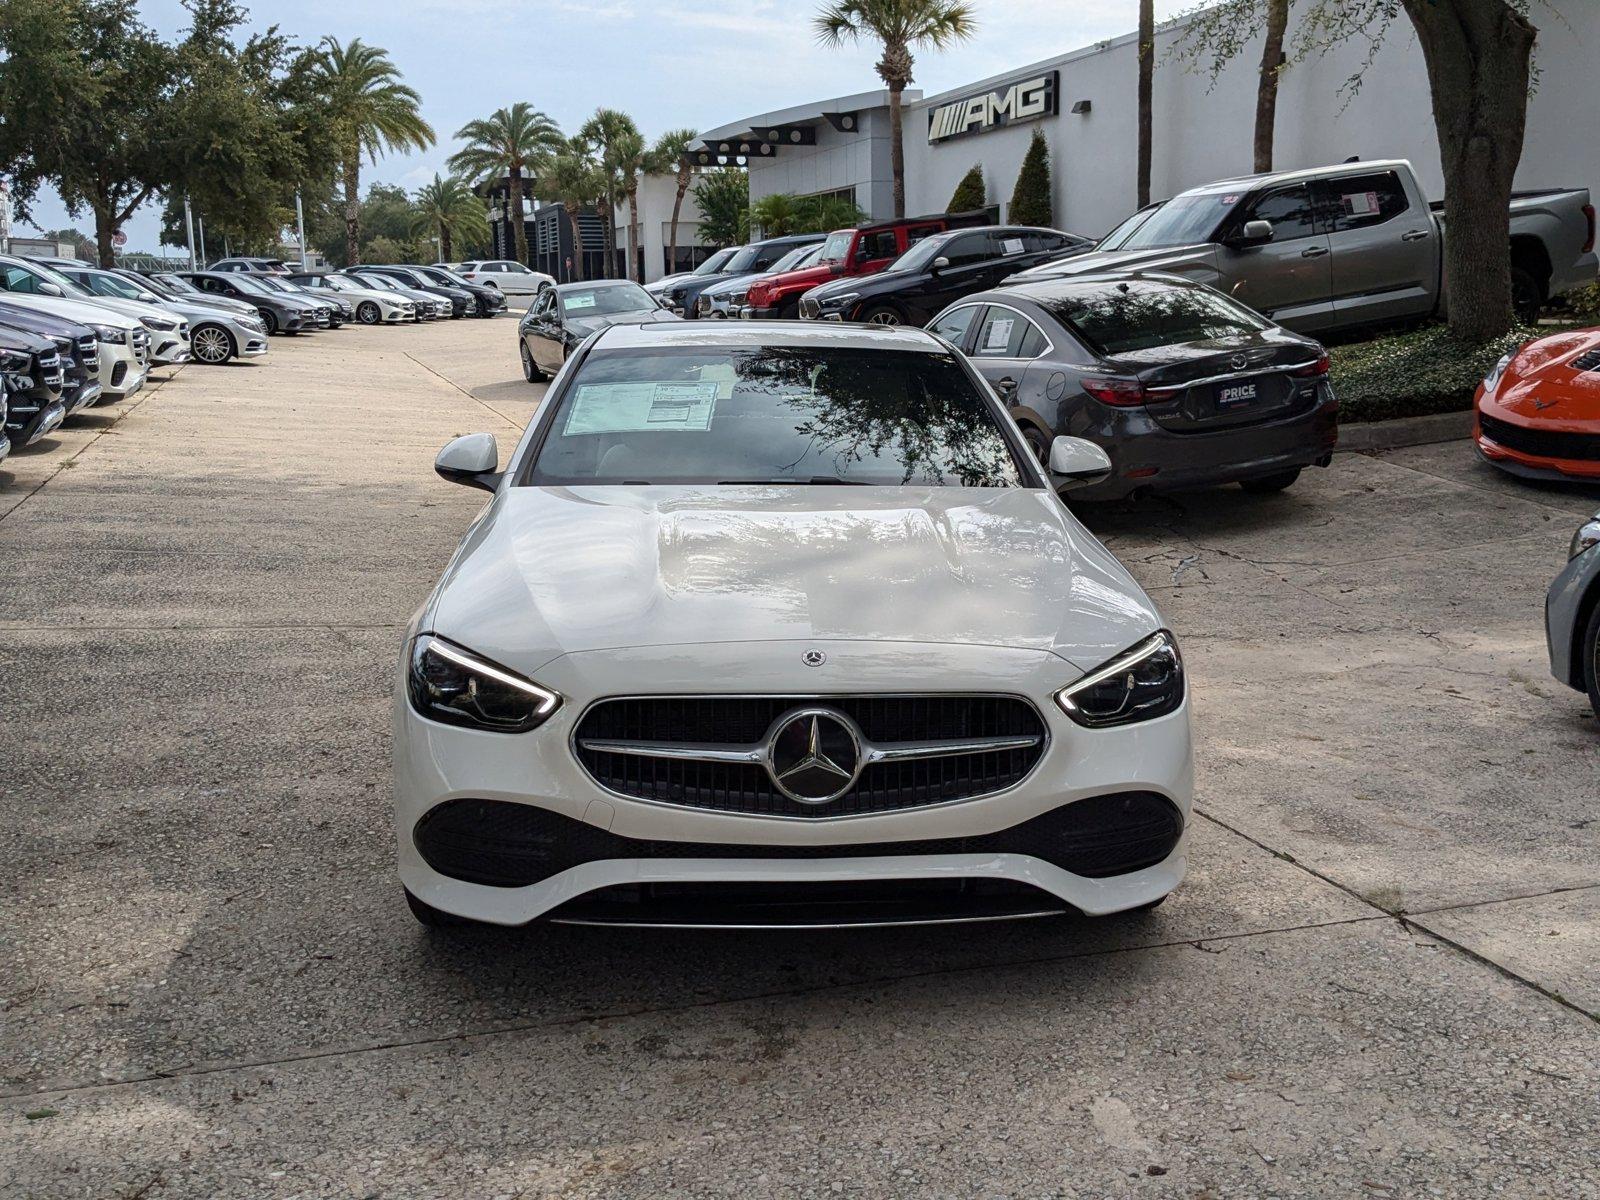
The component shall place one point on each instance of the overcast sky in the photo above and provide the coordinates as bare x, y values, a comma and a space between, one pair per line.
670, 63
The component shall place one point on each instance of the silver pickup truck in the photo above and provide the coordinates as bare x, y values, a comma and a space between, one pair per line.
1336, 247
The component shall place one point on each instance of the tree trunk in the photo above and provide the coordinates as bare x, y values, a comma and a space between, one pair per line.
677, 207
104, 228
352, 208
444, 243
577, 243
897, 148
1478, 54
519, 228
635, 268
1147, 72
1267, 89
608, 238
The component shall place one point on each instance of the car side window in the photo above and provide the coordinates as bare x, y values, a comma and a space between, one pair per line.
877, 245
1005, 333
517, 268
1357, 201
1046, 243
969, 249
1290, 211
954, 325
917, 232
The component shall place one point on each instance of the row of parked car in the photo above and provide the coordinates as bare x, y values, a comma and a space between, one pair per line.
74, 335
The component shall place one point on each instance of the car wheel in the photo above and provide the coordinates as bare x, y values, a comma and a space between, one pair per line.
789, 310
1591, 659
1527, 297
530, 372
1275, 482
881, 314
270, 320
435, 918
1038, 443
211, 344
368, 312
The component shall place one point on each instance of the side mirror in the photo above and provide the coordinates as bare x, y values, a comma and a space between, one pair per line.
940, 263
50, 289
1254, 233
1075, 462
471, 460
149, 298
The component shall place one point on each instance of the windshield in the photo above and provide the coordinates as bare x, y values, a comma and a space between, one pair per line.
404, 277
797, 257
271, 284
340, 285
604, 299
837, 246
247, 283
792, 414
449, 277
1182, 221
113, 285
920, 255
174, 284
1116, 318
376, 282
714, 264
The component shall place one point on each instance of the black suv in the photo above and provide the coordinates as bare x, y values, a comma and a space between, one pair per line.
77, 345
747, 262
34, 382
460, 298
489, 300
937, 271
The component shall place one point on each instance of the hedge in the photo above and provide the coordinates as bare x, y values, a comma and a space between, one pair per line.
1414, 374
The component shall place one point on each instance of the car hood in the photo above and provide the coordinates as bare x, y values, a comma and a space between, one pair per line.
558, 570
137, 309
221, 303
90, 312
14, 337
1180, 260
1542, 384
584, 326
196, 311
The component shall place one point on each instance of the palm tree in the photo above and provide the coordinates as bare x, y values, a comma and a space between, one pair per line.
609, 135
899, 25
448, 208
369, 111
571, 178
671, 153
1147, 70
631, 159
502, 146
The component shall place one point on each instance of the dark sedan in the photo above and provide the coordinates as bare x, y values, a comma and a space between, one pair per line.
561, 317
1182, 386
281, 312
487, 301
937, 271
460, 299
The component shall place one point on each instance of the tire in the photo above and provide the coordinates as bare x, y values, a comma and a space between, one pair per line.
434, 918
270, 320
212, 345
1527, 296
789, 310
1591, 659
1268, 484
1038, 443
882, 314
530, 372
368, 312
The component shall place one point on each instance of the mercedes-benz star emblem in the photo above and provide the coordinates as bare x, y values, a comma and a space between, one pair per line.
814, 755
814, 658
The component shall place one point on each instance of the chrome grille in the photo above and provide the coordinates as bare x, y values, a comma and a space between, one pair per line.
707, 752
50, 371
139, 339
809, 308
89, 352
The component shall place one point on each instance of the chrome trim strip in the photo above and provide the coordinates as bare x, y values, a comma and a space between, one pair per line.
781, 925
892, 752
1264, 369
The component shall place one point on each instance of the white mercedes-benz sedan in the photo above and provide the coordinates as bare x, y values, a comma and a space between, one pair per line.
782, 625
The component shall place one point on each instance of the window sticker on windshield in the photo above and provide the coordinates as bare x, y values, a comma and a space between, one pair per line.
1360, 204
998, 335
578, 301
639, 407
1227, 200
1011, 246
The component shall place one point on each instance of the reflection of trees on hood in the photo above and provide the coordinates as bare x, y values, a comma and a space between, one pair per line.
919, 407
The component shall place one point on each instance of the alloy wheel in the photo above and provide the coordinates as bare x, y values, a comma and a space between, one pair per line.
528, 372
211, 344
270, 320
884, 316
367, 313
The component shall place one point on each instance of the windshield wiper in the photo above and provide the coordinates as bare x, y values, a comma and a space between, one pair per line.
815, 479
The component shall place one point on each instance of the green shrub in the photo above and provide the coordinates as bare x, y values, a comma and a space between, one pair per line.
1585, 303
1416, 373
1030, 202
970, 193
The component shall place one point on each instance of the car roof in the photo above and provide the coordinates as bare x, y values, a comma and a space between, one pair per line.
748, 335
588, 284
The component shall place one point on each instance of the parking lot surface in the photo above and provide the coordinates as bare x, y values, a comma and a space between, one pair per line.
1381, 979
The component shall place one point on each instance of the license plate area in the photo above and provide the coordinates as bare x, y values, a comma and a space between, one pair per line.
1233, 396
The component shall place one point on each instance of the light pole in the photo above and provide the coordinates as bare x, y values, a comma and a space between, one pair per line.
300, 230
188, 222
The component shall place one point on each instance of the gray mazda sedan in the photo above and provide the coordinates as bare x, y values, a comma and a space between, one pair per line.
1182, 386
1572, 615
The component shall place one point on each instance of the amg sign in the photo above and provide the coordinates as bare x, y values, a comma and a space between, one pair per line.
1025, 101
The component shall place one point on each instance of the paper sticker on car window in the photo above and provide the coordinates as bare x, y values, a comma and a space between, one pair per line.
1011, 246
998, 335
1361, 204
640, 407
574, 302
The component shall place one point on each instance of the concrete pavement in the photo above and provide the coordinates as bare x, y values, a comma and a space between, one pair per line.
1379, 980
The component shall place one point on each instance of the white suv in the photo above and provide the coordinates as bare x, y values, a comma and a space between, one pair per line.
512, 278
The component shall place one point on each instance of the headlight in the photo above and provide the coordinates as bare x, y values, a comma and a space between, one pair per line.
1588, 536
449, 684
1492, 379
159, 324
117, 337
1137, 685
842, 301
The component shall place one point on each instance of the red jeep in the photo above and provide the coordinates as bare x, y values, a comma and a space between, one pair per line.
864, 251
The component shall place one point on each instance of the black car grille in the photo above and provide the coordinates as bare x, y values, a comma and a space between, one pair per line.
1587, 361
504, 844
745, 720
1542, 443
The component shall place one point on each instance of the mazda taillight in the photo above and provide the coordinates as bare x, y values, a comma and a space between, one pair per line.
1123, 393
1320, 367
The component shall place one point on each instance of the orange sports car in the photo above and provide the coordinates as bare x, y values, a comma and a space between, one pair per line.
1538, 412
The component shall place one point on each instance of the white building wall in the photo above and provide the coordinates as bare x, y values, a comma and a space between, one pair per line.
1204, 132
858, 159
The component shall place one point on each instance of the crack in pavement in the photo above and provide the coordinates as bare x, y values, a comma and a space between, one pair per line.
512, 421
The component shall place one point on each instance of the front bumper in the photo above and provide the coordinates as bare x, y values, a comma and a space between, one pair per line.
29, 419
122, 370
1566, 607
435, 764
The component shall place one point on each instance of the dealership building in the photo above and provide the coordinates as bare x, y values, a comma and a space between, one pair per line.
1085, 104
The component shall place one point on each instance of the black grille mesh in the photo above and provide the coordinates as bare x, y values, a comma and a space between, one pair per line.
745, 720
1545, 443
1589, 360
503, 844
